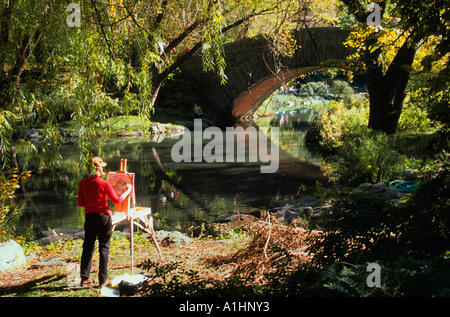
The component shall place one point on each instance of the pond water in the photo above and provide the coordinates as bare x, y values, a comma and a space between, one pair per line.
186, 193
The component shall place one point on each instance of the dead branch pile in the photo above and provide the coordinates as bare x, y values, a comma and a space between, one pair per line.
270, 245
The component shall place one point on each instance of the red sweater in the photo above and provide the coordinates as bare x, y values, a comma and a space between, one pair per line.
92, 194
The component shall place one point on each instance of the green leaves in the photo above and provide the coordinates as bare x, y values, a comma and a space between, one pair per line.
212, 49
9, 211
374, 46
6, 118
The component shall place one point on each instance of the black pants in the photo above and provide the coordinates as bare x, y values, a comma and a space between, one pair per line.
96, 226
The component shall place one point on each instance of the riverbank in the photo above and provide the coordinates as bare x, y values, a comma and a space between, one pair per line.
238, 245
249, 251
115, 127
217, 250
51, 280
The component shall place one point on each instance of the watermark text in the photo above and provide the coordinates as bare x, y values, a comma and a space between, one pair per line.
374, 18
74, 18
374, 278
233, 145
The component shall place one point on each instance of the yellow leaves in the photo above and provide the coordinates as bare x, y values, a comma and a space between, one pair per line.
284, 43
339, 121
8, 186
388, 40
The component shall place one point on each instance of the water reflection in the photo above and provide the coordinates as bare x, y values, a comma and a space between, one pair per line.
182, 194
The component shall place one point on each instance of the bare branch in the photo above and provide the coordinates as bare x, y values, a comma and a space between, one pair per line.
102, 29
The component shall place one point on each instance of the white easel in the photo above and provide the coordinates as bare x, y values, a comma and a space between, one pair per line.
135, 215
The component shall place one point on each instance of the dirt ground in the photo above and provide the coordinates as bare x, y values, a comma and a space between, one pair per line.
252, 253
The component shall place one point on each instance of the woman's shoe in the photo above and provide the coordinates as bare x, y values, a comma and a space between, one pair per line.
87, 282
104, 284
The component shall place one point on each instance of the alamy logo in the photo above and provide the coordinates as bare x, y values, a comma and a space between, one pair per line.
374, 278
223, 147
74, 18
374, 18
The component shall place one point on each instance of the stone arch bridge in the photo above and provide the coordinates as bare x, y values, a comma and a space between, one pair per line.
253, 72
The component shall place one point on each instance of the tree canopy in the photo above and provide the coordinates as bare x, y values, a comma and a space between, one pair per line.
387, 51
111, 57
118, 57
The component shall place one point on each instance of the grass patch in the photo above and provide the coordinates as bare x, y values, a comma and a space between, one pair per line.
248, 263
52, 281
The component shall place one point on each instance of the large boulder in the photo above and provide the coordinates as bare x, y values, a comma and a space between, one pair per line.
30, 134
285, 212
51, 261
224, 224
49, 236
11, 255
171, 237
380, 190
301, 208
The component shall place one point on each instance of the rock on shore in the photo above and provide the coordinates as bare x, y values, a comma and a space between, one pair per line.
11, 255
285, 212
49, 236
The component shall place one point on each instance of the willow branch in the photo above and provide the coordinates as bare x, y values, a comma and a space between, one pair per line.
97, 12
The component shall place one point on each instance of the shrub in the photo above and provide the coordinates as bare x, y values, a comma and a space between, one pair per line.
409, 239
336, 123
9, 210
360, 227
342, 89
367, 158
358, 155
414, 119
314, 89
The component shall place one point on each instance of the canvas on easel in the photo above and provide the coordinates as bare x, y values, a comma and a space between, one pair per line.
127, 210
119, 181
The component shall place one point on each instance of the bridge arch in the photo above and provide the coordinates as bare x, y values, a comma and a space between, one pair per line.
249, 101
253, 71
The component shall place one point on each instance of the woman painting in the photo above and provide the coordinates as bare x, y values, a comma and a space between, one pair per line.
92, 194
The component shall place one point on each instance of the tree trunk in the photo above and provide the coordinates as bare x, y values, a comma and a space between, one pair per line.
4, 38
387, 92
25, 51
